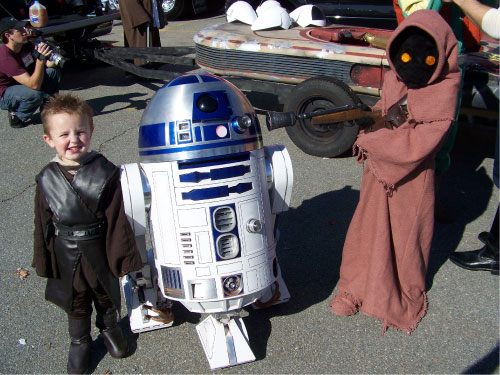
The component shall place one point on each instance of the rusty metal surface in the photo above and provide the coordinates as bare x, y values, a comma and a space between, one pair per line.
286, 56
293, 55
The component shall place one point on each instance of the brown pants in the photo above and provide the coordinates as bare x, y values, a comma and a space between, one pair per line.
82, 302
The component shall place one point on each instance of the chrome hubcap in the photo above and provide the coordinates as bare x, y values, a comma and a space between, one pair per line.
168, 5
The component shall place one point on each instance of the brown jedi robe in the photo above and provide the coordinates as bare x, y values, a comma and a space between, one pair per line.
121, 250
384, 261
135, 15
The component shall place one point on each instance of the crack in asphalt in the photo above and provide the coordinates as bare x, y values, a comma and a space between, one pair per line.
103, 144
17, 195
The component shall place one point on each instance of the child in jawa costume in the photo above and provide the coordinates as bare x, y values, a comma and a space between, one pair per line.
384, 261
82, 239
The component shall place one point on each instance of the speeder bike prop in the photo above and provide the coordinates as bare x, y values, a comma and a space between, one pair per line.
210, 192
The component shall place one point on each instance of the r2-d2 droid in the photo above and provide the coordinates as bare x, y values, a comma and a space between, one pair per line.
212, 192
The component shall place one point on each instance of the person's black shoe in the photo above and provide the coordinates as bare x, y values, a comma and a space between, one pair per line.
112, 335
115, 342
484, 259
16, 122
45, 101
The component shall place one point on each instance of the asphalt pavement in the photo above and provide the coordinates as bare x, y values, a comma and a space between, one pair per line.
459, 334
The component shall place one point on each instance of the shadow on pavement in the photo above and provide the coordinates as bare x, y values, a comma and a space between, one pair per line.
309, 253
486, 365
81, 77
128, 101
465, 190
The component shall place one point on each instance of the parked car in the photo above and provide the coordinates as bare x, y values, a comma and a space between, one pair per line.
372, 13
176, 9
73, 24
59, 10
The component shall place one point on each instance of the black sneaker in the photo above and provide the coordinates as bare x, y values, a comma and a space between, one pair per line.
16, 122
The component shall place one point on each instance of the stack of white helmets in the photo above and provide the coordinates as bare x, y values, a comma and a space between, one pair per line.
271, 15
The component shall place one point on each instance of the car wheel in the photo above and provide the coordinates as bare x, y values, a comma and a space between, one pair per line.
175, 9
319, 93
113, 4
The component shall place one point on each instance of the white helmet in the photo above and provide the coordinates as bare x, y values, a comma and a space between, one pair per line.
308, 15
267, 5
241, 11
271, 18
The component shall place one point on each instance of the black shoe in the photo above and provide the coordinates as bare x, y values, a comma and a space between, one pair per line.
42, 106
484, 259
112, 335
16, 122
115, 342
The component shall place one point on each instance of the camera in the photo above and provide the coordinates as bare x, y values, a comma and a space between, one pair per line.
56, 55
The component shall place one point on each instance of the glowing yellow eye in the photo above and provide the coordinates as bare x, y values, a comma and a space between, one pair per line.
405, 57
430, 60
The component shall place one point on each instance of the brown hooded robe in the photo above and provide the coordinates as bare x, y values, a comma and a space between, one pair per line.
384, 261
136, 15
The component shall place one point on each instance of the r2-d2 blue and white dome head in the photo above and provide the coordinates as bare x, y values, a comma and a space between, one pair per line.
197, 116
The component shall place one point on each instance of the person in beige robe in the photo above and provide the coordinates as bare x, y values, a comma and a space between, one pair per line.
136, 16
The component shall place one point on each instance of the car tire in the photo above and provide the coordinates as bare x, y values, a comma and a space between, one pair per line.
175, 9
319, 93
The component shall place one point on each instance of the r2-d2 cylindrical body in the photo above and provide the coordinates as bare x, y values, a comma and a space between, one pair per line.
213, 229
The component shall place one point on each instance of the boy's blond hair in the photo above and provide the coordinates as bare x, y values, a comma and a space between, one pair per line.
66, 103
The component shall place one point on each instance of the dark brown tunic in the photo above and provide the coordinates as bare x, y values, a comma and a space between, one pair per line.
121, 250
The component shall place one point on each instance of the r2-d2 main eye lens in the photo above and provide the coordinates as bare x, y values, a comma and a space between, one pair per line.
207, 103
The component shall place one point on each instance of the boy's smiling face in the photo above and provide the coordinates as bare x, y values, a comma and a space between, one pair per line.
69, 134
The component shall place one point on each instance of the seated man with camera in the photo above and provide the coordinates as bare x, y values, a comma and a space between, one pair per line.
27, 76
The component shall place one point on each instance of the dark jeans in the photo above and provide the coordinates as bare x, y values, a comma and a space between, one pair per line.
24, 101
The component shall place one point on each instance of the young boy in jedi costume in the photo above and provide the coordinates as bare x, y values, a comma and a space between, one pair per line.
82, 241
387, 246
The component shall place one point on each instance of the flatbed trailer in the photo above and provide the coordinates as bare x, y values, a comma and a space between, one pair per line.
306, 69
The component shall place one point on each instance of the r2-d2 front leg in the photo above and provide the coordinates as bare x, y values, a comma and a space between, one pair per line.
225, 340
147, 308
